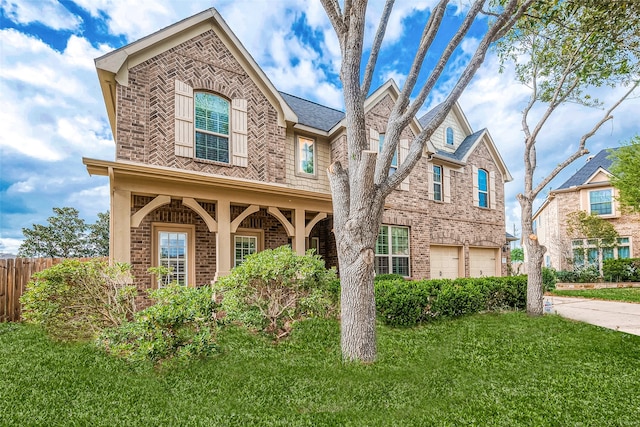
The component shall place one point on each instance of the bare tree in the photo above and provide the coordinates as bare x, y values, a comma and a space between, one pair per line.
563, 50
360, 189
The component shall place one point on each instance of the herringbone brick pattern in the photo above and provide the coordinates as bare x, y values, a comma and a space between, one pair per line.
146, 110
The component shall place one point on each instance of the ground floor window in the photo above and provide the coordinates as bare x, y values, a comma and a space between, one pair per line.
244, 246
392, 250
591, 252
173, 250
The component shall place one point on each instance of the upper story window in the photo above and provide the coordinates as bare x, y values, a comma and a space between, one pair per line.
437, 183
600, 202
211, 127
449, 135
394, 161
483, 188
306, 155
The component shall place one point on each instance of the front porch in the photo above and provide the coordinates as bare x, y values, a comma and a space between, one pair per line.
203, 225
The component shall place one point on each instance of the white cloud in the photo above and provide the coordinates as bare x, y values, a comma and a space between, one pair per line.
51, 99
47, 12
9, 245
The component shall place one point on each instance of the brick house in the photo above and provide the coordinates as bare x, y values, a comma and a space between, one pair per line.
589, 190
214, 163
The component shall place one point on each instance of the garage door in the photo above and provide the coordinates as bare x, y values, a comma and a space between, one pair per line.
482, 262
445, 262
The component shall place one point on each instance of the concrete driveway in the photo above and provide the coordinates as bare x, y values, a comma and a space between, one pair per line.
620, 316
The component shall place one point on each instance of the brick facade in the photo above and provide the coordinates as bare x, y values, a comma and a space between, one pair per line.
145, 134
146, 110
553, 233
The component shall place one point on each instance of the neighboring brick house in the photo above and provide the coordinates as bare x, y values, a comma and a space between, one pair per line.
589, 190
213, 163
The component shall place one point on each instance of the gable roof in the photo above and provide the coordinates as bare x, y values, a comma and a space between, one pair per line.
461, 155
588, 170
114, 66
313, 114
463, 150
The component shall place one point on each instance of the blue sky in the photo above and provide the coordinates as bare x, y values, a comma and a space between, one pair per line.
52, 113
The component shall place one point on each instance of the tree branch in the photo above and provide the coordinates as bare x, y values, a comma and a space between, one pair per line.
583, 140
332, 8
375, 48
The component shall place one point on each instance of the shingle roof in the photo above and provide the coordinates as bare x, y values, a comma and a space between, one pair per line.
311, 114
463, 148
424, 120
598, 161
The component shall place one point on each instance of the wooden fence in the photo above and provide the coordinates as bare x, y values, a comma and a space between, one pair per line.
15, 273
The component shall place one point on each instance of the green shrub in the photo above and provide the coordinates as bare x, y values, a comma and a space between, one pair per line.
182, 323
407, 303
549, 279
588, 274
621, 270
274, 288
75, 300
388, 276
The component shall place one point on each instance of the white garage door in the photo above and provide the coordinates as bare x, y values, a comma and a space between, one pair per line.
445, 262
482, 262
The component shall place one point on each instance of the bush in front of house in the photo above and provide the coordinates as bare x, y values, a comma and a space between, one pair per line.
621, 270
408, 303
274, 288
549, 279
75, 300
588, 274
182, 323
387, 276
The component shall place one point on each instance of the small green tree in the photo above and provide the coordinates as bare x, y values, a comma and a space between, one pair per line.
562, 51
517, 254
66, 236
599, 232
98, 237
626, 174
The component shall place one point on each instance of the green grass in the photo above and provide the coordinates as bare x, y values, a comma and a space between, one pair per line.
493, 369
614, 294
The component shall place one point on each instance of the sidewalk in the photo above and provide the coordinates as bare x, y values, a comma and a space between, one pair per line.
620, 316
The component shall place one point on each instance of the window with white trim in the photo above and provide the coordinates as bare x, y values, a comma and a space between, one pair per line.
600, 202
305, 155
483, 188
211, 127
244, 246
437, 183
449, 136
392, 250
591, 252
173, 248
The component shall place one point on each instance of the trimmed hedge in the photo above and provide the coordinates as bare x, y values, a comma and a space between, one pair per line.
621, 270
408, 303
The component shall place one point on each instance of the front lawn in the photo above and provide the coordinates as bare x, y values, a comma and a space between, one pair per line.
493, 369
614, 294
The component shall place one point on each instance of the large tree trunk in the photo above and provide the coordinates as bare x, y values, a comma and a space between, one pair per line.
534, 253
357, 217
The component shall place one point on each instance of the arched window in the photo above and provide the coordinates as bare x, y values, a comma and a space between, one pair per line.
449, 136
483, 188
212, 127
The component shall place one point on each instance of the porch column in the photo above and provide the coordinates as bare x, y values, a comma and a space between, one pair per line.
120, 227
299, 239
223, 238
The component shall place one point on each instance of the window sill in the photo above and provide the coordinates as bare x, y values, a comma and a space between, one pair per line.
211, 162
306, 175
